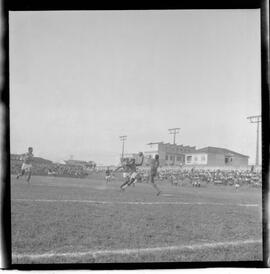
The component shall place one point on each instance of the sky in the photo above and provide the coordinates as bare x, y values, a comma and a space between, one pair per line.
80, 79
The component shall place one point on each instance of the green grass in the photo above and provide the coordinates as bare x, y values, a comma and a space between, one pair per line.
44, 227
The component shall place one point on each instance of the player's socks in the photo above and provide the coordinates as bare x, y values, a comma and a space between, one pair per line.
124, 185
29, 177
21, 174
122, 189
131, 182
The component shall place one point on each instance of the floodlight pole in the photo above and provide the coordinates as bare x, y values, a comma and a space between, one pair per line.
256, 119
123, 139
174, 131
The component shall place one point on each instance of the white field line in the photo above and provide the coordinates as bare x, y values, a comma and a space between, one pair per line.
130, 203
105, 252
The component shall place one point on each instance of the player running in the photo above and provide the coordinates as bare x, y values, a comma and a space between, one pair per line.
154, 164
130, 171
125, 167
27, 164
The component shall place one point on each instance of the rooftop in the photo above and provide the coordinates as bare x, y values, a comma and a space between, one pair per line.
218, 150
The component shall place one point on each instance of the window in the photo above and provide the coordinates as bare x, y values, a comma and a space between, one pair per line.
195, 158
203, 158
171, 158
189, 158
166, 157
179, 158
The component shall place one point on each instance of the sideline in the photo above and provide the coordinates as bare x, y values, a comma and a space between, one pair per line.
131, 203
95, 253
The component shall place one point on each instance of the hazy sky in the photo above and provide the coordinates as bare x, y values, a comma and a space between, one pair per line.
78, 80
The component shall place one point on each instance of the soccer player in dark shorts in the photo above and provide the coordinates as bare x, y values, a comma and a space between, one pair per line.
27, 164
154, 164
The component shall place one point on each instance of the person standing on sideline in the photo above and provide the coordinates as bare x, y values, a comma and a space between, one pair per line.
27, 164
108, 175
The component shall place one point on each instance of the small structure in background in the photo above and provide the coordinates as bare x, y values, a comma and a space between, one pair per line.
216, 157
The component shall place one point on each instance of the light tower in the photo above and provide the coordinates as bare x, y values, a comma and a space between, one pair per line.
256, 119
123, 138
174, 131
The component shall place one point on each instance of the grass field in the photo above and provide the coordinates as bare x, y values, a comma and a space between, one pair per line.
64, 220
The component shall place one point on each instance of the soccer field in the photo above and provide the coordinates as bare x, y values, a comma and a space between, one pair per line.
64, 220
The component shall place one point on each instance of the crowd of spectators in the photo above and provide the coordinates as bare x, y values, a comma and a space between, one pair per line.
196, 176
67, 171
173, 175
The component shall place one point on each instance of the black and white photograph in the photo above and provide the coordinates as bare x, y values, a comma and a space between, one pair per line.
135, 136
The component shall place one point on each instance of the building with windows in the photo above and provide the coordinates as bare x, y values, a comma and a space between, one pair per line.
169, 154
179, 155
216, 157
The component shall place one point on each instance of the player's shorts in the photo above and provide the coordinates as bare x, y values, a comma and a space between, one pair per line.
152, 173
125, 175
26, 167
108, 177
133, 175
